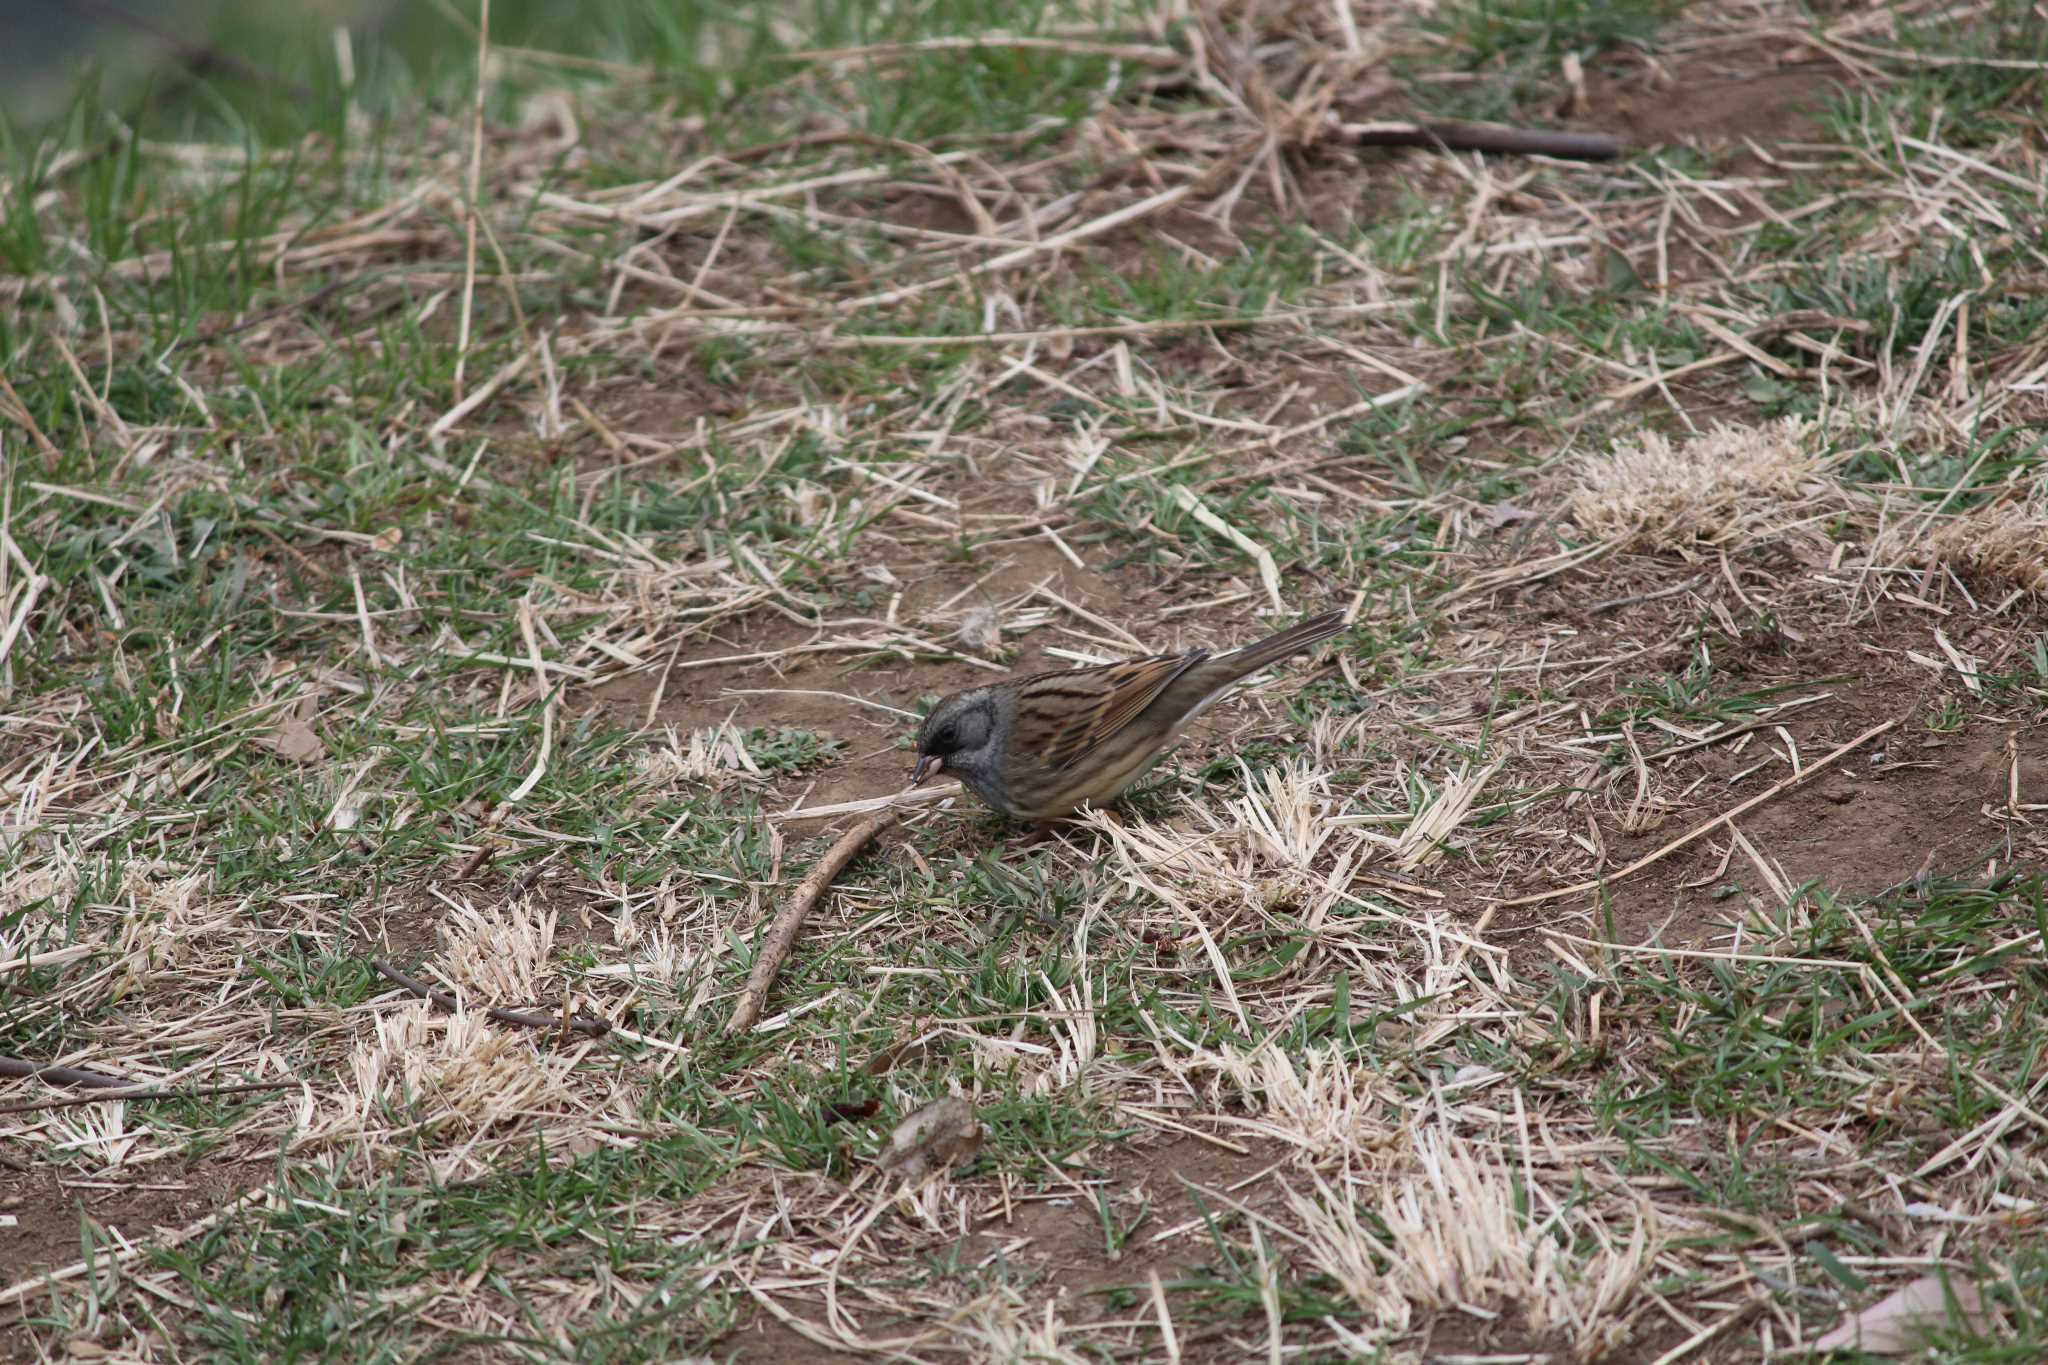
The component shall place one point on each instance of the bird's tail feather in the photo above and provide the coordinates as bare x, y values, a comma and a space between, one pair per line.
1292, 640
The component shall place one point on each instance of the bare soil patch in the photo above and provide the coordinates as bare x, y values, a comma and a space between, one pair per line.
757, 489
1715, 101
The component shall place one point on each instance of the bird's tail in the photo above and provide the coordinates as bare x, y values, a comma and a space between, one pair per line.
1292, 640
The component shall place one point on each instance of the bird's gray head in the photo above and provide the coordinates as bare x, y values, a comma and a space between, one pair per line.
958, 734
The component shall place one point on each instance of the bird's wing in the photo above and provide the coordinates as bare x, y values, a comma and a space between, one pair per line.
1061, 716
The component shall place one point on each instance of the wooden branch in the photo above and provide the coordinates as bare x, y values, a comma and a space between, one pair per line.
595, 1028
782, 933
299, 304
1778, 789
109, 1087
1481, 137
477, 861
15, 1067
146, 1092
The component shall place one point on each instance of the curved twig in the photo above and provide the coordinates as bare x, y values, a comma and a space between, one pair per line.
145, 1092
1477, 137
782, 933
594, 1028
16, 1067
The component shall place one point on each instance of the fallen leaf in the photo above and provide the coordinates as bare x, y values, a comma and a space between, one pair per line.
1899, 1322
295, 737
386, 540
839, 1111
934, 1137
1507, 514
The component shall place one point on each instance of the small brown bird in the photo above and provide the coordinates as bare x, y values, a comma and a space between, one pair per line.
1038, 747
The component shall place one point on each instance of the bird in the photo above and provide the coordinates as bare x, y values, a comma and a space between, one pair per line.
1041, 746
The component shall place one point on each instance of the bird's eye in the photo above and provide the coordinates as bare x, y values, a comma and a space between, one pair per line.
945, 739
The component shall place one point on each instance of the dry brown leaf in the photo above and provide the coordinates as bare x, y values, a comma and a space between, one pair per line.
1899, 1322
295, 737
940, 1134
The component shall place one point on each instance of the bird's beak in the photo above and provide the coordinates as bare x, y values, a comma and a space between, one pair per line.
927, 764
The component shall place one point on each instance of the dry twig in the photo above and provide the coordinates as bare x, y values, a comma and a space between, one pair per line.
16, 1067
595, 1028
1474, 137
145, 1092
782, 933
1779, 789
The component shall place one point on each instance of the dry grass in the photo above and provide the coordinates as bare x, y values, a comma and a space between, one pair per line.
519, 544
2003, 543
1650, 494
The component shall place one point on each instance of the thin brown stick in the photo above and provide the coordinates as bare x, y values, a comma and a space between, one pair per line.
17, 412
595, 1028
1477, 137
18, 1068
297, 305
476, 862
788, 920
146, 1092
1709, 827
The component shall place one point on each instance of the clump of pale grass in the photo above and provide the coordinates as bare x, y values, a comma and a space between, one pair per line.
700, 757
501, 954
1260, 852
1326, 1105
167, 919
448, 1076
1284, 813
21, 886
1175, 865
1003, 1332
99, 1134
2002, 543
1724, 486
1450, 1235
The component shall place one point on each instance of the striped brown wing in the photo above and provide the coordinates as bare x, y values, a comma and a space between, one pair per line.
1061, 716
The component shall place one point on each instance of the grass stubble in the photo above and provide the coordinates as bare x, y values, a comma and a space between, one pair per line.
496, 525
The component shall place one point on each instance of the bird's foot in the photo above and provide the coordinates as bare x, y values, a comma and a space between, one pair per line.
1041, 831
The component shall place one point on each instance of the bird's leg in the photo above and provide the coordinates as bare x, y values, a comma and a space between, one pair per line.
1044, 831
1040, 832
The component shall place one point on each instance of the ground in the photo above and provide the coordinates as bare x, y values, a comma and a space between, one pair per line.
499, 533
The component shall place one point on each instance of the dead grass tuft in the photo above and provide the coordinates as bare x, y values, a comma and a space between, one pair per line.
1458, 1237
1324, 1105
501, 954
1717, 489
28, 884
1006, 1330
705, 754
166, 922
448, 1077
2002, 543
101, 1137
